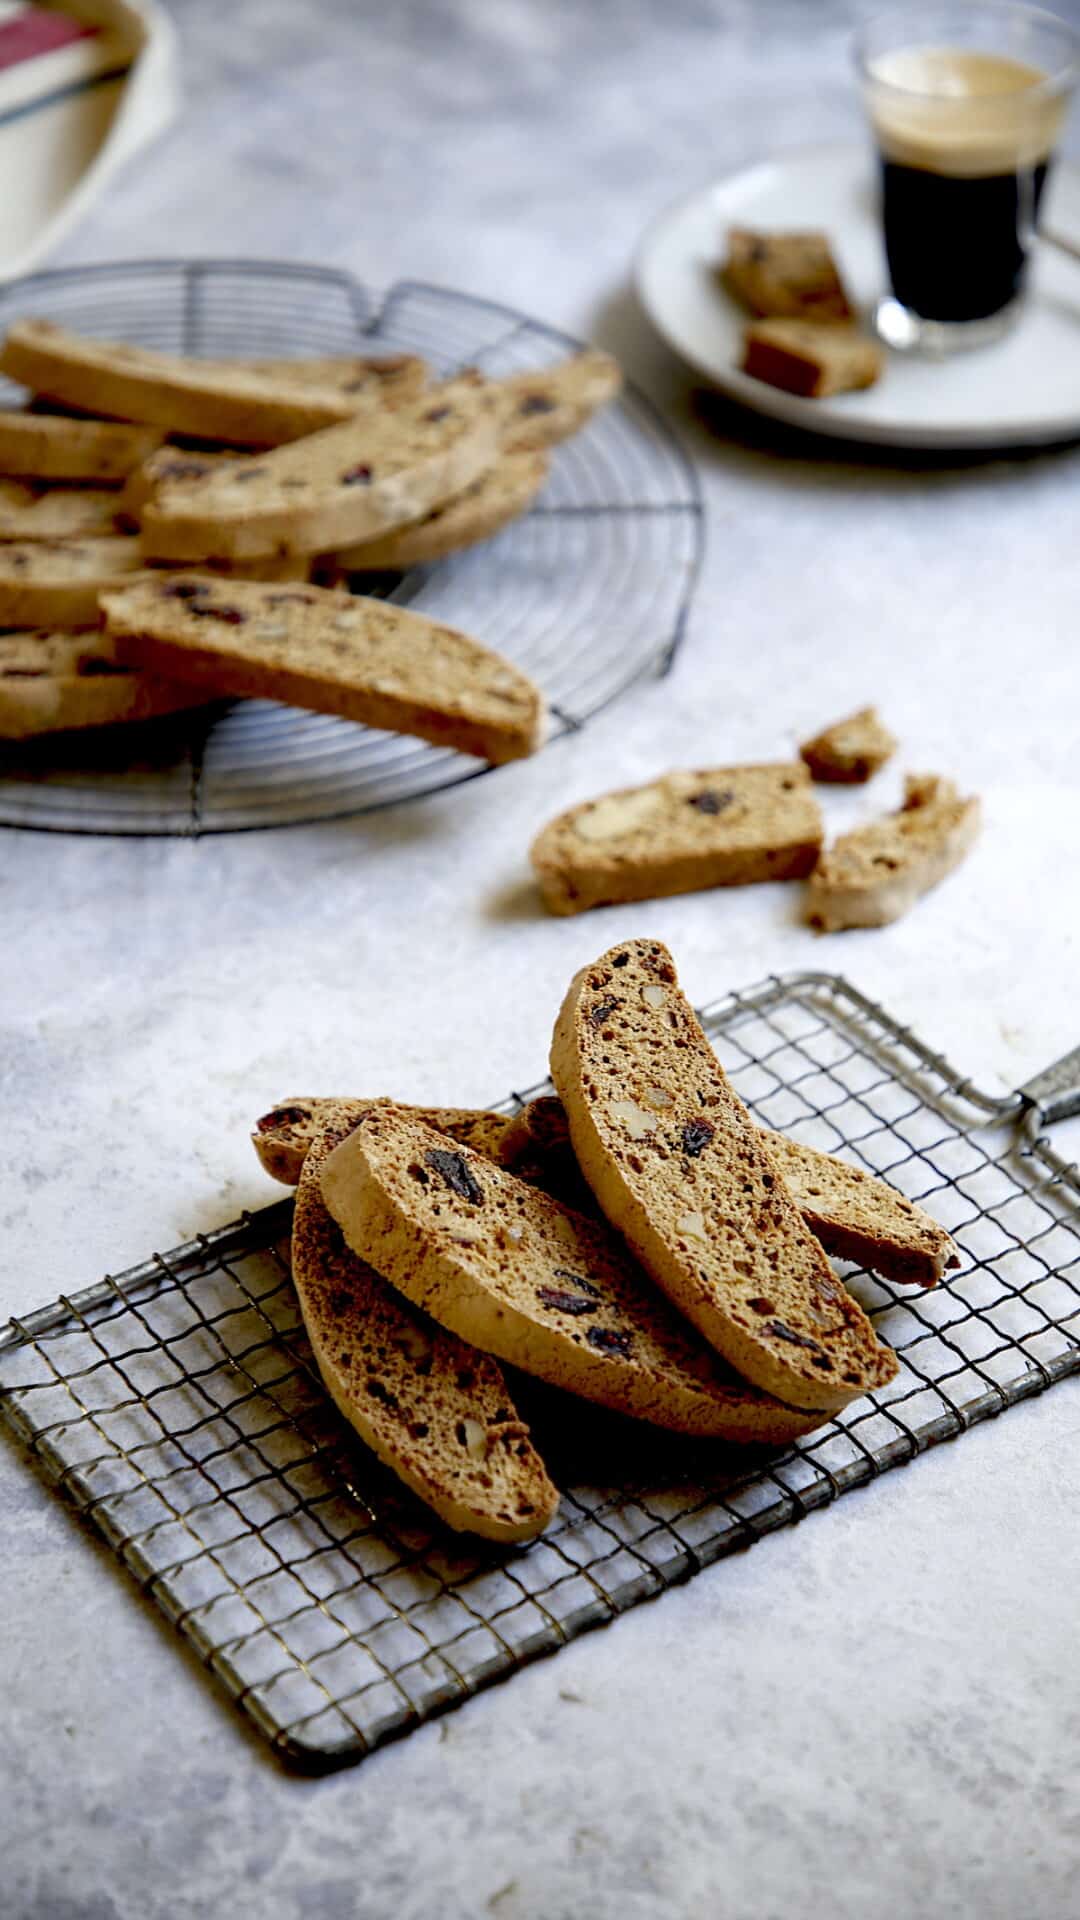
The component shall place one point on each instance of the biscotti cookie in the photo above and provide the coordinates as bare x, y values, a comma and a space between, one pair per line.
510, 1270
849, 751
55, 583
713, 827
31, 510
41, 446
812, 361
283, 1136
785, 275
61, 682
858, 1217
875, 873
361, 659
679, 1168
350, 483
490, 503
855, 1216
539, 409
435, 1411
216, 401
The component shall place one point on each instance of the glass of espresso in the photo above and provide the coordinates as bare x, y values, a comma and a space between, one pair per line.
966, 102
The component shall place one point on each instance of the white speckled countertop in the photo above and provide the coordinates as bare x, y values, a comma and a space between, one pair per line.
871, 1713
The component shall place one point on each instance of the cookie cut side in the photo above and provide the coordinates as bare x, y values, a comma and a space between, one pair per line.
713, 827
680, 1169
62, 682
435, 1411
361, 659
872, 875
513, 1272
490, 503
785, 275
849, 751
49, 447
812, 361
207, 399
284, 1136
377, 471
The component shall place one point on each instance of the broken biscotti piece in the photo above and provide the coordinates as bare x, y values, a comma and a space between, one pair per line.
854, 1214
875, 873
353, 482
361, 659
435, 1411
680, 1169
283, 1136
785, 275
849, 751
58, 682
515, 1273
713, 827
810, 360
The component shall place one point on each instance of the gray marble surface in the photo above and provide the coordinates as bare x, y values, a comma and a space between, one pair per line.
873, 1712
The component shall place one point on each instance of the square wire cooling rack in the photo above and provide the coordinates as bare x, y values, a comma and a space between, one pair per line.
179, 1407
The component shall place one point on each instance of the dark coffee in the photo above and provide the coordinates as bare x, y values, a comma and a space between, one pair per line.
957, 248
965, 140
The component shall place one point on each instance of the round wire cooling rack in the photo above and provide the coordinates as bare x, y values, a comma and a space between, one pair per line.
588, 592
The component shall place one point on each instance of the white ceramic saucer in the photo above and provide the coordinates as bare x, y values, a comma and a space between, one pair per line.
1022, 391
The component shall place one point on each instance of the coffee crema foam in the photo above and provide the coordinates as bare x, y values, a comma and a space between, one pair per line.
952, 110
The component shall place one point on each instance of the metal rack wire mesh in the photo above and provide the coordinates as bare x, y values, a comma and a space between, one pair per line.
179, 1407
589, 591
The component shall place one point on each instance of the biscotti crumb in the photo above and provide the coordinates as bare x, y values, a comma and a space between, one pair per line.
849, 751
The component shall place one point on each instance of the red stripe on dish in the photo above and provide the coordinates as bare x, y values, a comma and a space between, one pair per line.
35, 31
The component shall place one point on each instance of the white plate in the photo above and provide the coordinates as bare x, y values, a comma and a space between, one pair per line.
1022, 391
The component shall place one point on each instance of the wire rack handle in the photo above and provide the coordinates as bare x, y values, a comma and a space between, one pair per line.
1056, 1090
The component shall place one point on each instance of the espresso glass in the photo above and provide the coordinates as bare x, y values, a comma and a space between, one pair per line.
966, 103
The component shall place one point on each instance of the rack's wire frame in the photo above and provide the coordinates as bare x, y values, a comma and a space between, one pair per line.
612, 1550
373, 318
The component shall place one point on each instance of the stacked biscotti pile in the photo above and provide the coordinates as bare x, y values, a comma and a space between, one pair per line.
174, 531
634, 1239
